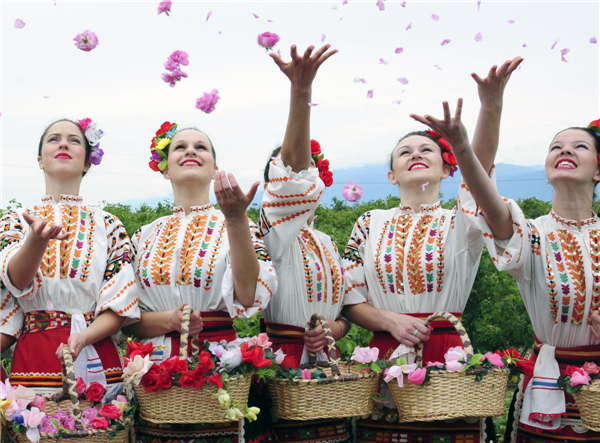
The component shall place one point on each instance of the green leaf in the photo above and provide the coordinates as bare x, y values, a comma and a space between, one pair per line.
400, 361
374, 367
163, 164
363, 366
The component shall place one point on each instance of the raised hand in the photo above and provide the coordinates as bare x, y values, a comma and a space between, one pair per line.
301, 70
450, 127
42, 230
230, 197
491, 88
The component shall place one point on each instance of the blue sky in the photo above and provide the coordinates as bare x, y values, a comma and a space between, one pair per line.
119, 84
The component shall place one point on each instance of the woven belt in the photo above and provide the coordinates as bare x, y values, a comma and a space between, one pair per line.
37, 321
572, 356
282, 331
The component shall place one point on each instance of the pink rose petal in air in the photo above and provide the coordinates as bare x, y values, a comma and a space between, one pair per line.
399, 50
403, 4
46, 96
207, 102
478, 37
208, 15
381, 5
164, 6
425, 185
397, 101
270, 21
593, 40
409, 26
478, 5
564, 52
403, 80
383, 62
359, 80
255, 16
524, 45
511, 22
435, 17
445, 41
437, 67
554, 44
370, 93
19, 24
345, 2
323, 37
313, 104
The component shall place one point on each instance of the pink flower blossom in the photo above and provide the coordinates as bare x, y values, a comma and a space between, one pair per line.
370, 93
267, 40
262, 340
32, 419
511, 22
279, 356
359, 80
434, 363
86, 41
173, 77
478, 37
580, 379
365, 355
409, 26
435, 17
591, 368
494, 359
39, 402
84, 123
381, 5
207, 102
164, 6
306, 374
437, 67
593, 40
445, 41
456, 358
353, 193
383, 61
180, 57
397, 372
399, 50
19, 24
417, 376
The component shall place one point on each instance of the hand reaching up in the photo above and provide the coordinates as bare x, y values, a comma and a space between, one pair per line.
301, 70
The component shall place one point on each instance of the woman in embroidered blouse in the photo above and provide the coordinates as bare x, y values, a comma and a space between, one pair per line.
213, 260
311, 278
67, 264
12, 323
555, 260
405, 263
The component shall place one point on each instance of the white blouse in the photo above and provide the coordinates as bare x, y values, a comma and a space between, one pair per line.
311, 276
10, 313
557, 268
88, 272
415, 262
186, 259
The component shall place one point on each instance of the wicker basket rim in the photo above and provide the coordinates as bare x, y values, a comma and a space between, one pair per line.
435, 373
361, 376
235, 378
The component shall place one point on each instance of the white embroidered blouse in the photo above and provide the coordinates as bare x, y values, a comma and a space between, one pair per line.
415, 262
311, 276
10, 313
185, 259
88, 272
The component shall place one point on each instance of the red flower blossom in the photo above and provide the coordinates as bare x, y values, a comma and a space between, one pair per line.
327, 177
449, 158
111, 412
165, 380
154, 166
187, 380
323, 165
315, 147
95, 391
100, 423
571, 369
151, 380
166, 126
174, 364
205, 364
134, 348
216, 380
525, 366
80, 386
290, 362
256, 356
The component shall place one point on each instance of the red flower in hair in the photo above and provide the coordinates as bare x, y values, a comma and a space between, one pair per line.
154, 166
315, 147
323, 165
166, 126
327, 177
449, 158
447, 154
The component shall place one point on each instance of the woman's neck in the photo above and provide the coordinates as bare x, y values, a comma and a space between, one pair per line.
415, 196
63, 186
573, 203
190, 195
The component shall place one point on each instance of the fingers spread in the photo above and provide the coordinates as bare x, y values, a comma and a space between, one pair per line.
459, 106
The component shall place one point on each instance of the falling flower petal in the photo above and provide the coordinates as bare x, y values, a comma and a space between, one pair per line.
164, 6
435, 17
86, 41
445, 41
381, 5
564, 52
425, 185
437, 67
403, 4
49, 305
255, 16
478, 5
409, 26
219, 32
207, 102
323, 37
19, 24
370, 93
524, 45
554, 44
359, 79
383, 62
478, 37
511, 22
399, 50
345, 2
208, 15
353, 193
397, 101
47, 96
403, 80
593, 40
313, 104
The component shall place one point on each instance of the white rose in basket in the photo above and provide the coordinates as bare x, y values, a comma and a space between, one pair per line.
136, 369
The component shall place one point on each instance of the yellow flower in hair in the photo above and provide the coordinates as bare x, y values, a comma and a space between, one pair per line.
163, 143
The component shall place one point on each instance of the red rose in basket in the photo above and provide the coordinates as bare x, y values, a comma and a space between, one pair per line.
95, 391
255, 356
151, 380
134, 348
111, 412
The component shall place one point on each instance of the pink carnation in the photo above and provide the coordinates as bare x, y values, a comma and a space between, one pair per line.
180, 57
494, 359
207, 102
267, 40
164, 6
86, 41
173, 77
352, 192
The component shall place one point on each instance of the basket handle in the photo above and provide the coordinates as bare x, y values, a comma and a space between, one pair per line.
332, 351
70, 386
459, 328
185, 332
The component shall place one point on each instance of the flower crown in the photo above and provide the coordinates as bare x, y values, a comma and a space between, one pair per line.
93, 135
447, 154
322, 165
160, 142
595, 127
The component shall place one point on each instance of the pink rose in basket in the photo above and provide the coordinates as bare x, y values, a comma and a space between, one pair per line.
417, 377
306, 374
39, 402
365, 355
80, 386
261, 340
591, 368
579, 378
456, 359
434, 363
494, 359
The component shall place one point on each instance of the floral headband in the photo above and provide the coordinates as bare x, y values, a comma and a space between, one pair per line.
322, 165
447, 154
93, 135
595, 127
162, 140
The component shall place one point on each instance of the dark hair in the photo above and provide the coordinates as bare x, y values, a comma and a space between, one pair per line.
410, 134
192, 128
594, 134
275, 153
88, 148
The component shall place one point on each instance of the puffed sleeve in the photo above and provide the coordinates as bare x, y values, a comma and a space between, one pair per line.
118, 290
10, 313
465, 223
356, 284
515, 253
266, 284
12, 238
289, 200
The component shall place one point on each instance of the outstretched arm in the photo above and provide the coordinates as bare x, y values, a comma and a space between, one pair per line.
485, 193
491, 92
301, 70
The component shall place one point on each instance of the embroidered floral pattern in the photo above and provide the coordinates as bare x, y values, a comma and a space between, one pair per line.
213, 257
87, 262
534, 240
314, 252
195, 226
48, 265
440, 255
69, 221
552, 285
163, 256
78, 244
429, 250
337, 276
308, 277
563, 276
402, 228
202, 250
378, 251
574, 263
595, 258
413, 264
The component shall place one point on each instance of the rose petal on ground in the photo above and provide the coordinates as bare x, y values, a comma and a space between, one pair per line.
409, 26
593, 40
383, 62
323, 37
19, 24
208, 15
255, 16
445, 41
435, 17
381, 5
403, 80
370, 93
399, 50
511, 22
478, 37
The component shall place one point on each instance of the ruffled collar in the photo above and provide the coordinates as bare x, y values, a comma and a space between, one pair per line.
572, 223
178, 210
424, 208
70, 199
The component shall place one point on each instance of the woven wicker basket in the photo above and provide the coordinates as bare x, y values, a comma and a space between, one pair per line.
70, 391
346, 392
188, 405
588, 402
451, 394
